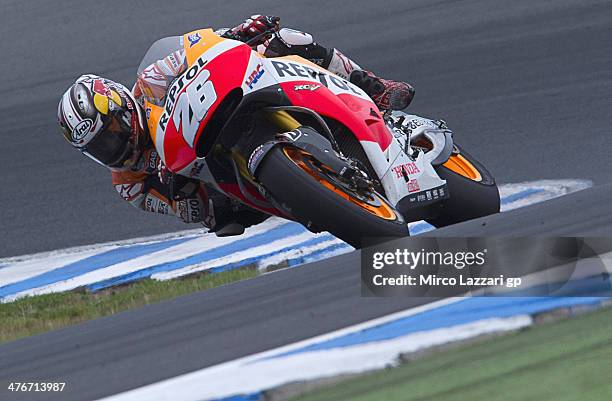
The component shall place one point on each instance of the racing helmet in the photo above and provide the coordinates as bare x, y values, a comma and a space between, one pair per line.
102, 119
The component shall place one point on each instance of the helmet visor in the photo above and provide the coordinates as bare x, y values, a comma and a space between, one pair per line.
112, 146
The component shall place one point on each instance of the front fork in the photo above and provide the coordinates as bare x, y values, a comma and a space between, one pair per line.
282, 120
323, 148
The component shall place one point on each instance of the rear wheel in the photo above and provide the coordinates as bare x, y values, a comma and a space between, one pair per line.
319, 199
472, 189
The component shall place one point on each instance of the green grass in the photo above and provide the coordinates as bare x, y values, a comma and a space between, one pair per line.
33, 315
570, 360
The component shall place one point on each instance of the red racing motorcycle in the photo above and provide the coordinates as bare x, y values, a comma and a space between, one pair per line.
288, 138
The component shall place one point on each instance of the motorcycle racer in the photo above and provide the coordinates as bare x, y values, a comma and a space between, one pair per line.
106, 122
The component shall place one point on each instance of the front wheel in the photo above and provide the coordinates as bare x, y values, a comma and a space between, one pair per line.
472, 189
315, 197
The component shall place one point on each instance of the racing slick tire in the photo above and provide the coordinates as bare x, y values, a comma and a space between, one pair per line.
472, 189
321, 203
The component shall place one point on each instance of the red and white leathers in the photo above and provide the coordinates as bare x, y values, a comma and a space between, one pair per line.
140, 184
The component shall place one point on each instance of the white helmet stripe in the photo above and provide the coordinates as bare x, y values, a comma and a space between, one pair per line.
73, 119
63, 118
68, 110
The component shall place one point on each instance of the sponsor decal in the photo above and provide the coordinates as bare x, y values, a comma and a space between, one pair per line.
163, 121
413, 186
150, 204
194, 209
430, 195
403, 170
255, 156
108, 91
112, 91
306, 87
152, 161
177, 86
174, 62
194, 38
254, 76
81, 129
148, 112
100, 87
290, 136
416, 123
155, 205
162, 208
181, 210
196, 169
189, 210
284, 70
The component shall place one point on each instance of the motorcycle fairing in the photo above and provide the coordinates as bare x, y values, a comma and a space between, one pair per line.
193, 98
218, 66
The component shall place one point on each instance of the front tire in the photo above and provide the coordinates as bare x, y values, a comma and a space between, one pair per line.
472, 189
316, 199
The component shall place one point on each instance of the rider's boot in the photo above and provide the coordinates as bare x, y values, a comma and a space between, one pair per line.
219, 217
240, 220
387, 94
225, 218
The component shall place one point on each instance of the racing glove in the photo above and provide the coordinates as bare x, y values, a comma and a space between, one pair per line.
253, 27
179, 187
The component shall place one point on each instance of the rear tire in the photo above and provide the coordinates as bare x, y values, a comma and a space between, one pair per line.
317, 206
469, 199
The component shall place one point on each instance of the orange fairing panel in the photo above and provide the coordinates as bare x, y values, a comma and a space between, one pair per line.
463, 167
153, 113
199, 41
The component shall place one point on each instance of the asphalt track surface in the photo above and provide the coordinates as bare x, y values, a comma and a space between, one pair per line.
526, 87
